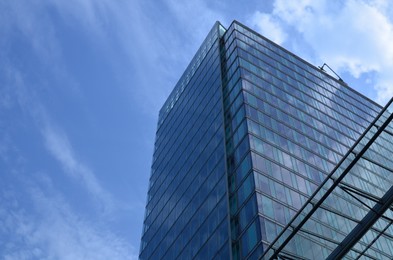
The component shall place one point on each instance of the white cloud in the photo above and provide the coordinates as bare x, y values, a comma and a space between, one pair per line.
353, 36
268, 26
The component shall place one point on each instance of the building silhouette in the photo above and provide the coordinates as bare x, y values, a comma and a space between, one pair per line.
259, 154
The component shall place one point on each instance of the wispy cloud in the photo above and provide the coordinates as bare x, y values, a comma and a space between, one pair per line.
54, 139
353, 36
60, 148
37, 220
163, 45
31, 22
51, 229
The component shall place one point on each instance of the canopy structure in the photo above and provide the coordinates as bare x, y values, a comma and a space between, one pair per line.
350, 214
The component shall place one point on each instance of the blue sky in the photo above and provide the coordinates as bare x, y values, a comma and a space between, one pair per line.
81, 83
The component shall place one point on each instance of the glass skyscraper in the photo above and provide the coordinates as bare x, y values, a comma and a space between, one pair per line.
248, 135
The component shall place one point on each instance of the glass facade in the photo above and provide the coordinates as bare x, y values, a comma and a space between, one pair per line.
186, 214
249, 133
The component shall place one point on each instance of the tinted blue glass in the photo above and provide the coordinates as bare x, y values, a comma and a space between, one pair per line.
186, 213
300, 123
